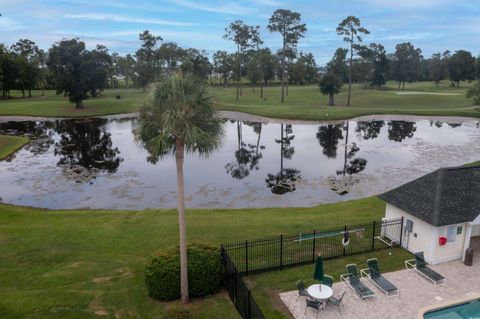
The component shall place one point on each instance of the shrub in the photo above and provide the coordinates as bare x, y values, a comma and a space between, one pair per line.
178, 313
474, 92
205, 272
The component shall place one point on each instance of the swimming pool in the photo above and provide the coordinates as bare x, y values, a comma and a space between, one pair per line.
468, 310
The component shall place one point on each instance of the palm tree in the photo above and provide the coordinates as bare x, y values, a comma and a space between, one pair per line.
177, 117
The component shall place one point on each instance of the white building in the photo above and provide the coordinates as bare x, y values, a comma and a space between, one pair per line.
441, 212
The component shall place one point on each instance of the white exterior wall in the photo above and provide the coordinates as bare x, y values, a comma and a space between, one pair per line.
475, 230
424, 240
451, 250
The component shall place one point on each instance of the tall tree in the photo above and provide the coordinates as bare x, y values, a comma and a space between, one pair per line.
241, 35
461, 67
437, 68
66, 60
147, 66
179, 117
338, 64
171, 55
196, 62
26, 52
97, 67
126, 68
291, 28
351, 30
223, 63
406, 64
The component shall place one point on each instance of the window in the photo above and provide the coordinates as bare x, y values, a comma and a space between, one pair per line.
459, 230
451, 233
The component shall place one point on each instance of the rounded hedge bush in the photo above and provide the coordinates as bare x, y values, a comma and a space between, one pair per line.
205, 272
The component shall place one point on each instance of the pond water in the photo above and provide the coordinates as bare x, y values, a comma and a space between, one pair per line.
97, 163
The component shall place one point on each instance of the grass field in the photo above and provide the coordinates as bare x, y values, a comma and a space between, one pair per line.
58, 264
52, 105
307, 103
303, 102
10, 144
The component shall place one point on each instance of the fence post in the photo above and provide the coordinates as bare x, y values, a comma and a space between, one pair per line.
344, 250
249, 311
373, 236
401, 234
313, 250
281, 251
246, 257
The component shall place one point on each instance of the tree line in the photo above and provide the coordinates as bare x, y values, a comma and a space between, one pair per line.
79, 73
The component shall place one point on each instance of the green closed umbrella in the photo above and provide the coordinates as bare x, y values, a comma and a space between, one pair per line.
318, 273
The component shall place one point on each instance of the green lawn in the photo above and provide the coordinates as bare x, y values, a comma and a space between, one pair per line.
307, 103
10, 144
58, 264
52, 105
266, 287
303, 102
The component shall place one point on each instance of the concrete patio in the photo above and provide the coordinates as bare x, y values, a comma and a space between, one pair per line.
415, 293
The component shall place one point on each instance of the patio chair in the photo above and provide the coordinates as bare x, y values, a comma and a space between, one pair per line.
420, 266
373, 273
327, 281
315, 304
353, 281
337, 301
302, 292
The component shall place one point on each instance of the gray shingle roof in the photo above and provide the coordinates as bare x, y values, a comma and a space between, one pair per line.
444, 197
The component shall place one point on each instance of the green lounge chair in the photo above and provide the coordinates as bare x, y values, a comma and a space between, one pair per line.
373, 273
353, 281
419, 265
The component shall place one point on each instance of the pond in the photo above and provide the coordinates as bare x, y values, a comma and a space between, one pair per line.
97, 163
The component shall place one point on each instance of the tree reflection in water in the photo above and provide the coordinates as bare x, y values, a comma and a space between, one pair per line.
401, 130
284, 181
247, 156
328, 137
369, 130
85, 150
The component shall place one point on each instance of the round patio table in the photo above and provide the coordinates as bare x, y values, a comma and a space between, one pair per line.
320, 294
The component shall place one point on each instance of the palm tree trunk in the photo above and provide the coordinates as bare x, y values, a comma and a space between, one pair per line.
179, 159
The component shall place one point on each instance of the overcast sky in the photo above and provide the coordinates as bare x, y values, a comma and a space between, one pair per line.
432, 25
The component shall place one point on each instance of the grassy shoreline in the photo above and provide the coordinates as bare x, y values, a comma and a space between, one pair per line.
73, 263
11, 144
303, 103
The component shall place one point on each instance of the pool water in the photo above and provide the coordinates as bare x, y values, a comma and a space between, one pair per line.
469, 310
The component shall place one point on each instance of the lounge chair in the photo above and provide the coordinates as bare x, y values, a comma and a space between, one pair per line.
337, 301
315, 304
373, 273
327, 281
353, 281
419, 265
302, 292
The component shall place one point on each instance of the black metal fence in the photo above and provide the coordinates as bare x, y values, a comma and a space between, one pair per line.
238, 291
277, 252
